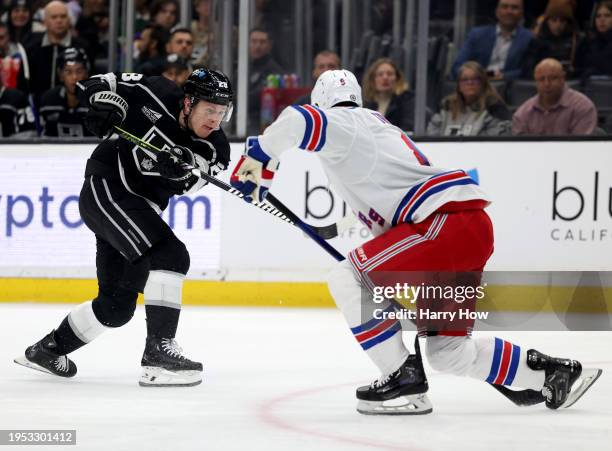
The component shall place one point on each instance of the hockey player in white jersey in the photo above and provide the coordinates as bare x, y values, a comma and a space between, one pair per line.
423, 219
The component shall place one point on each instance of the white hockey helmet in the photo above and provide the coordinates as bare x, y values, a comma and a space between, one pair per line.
334, 87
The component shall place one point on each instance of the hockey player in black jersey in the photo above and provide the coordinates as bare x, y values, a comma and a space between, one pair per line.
60, 107
124, 191
16, 116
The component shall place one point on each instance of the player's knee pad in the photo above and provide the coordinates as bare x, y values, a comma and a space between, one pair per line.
344, 285
85, 323
115, 306
454, 355
170, 254
164, 289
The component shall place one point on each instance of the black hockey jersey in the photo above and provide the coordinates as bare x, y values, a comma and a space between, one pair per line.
154, 107
15, 112
59, 119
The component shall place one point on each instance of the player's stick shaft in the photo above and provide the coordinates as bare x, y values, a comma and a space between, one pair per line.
275, 206
278, 209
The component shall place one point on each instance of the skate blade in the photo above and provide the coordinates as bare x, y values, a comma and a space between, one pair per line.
404, 405
25, 362
159, 377
586, 379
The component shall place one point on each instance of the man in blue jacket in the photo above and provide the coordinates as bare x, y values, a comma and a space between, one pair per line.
499, 48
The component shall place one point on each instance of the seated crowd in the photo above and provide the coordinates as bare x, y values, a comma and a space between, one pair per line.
47, 47
554, 52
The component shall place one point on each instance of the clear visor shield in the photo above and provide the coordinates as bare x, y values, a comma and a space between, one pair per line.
228, 112
222, 113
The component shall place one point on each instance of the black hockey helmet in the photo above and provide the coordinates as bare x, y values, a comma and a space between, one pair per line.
72, 55
212, 86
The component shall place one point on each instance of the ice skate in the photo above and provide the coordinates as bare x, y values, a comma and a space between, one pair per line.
402, 392
163, 365
566, 381
42, 357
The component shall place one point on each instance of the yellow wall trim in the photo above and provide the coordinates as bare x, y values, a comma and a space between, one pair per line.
195, 292
515, 298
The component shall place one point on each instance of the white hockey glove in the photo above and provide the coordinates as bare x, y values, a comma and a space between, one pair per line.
254, 173
106, 110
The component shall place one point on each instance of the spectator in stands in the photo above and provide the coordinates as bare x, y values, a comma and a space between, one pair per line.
202, 32
142, 15
181, 43
500, 48
165, 13
474, 109
324, 60
205, 48
381, 18
177, 69
276, 17
44, 49
582, 11
385, 90
595, 56
92, 26
19, 21
10, 58
152, 50
5, 43
556, 109
557, 38
60, 108
261, 64
16, 116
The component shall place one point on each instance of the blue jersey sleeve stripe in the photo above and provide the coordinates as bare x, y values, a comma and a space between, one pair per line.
309, 125
371, 323
437, 189
516, 352
410, 193
405, 201
496, 359
255, 151
382, 337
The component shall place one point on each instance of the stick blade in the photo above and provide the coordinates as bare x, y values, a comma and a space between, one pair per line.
521, 398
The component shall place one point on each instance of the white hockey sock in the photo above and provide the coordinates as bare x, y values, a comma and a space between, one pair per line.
507, 364
84, 323
490, 359
164, 289
380, 338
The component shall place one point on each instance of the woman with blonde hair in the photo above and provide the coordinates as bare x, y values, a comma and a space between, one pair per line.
474, 109
386, 90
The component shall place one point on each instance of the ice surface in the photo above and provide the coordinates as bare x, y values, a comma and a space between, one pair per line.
278, 379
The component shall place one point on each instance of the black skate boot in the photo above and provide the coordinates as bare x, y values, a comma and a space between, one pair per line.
163, 365
561, 375
402, 392
41, 356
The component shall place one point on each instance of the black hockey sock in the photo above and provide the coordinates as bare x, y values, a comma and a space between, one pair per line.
162, 321
66, 339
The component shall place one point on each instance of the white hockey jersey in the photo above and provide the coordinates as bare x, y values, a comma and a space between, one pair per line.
372, 164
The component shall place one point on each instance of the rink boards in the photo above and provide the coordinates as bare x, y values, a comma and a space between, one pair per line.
552, 210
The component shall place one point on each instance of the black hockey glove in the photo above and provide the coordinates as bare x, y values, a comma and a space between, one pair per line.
107, 109
173, 164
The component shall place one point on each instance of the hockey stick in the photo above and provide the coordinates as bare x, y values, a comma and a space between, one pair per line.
326, 232
278, 209
275, 207
521, 398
